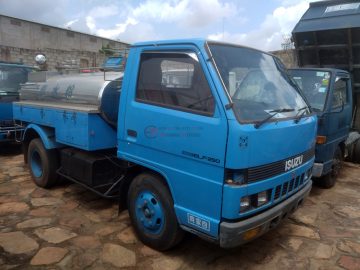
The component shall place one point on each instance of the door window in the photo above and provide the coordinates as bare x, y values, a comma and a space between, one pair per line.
340, 93
174, 80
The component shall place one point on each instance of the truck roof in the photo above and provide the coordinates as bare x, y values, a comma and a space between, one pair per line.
334, 14
196, 41
199, 42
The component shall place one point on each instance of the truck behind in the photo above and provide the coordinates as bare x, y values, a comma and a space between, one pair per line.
327, 48
11, 76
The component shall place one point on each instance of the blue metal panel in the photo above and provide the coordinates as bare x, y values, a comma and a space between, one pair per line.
74, 128
6, 111
46, 134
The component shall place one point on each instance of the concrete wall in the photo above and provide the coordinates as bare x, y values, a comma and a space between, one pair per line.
21, 40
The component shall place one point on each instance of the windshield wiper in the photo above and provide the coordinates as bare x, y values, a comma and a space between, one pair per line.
299, 115
275, 112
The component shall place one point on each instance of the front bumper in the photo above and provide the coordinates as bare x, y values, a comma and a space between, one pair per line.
321, 169
317, 169
233, 234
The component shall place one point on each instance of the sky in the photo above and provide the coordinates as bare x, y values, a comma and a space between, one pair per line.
262, 24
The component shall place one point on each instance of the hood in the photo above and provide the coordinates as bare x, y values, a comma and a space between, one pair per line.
274, 141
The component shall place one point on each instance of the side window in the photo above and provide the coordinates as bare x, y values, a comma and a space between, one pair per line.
340, 93
174, 80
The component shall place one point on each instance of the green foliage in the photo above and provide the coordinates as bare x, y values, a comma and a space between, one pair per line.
106, 50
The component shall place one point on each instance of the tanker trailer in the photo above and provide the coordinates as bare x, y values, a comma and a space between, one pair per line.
97, 92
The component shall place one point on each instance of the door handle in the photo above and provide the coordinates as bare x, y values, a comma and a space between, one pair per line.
131, 133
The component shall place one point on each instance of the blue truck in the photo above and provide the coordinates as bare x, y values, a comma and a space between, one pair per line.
11, 76
329, 92
197, 136
113, 63
327, 49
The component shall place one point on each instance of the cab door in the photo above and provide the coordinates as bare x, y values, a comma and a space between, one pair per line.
175, 125
341, 109
335, 123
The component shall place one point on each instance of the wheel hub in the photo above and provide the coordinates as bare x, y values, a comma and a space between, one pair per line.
149, 212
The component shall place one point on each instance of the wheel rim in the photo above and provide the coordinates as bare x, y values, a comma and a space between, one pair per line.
149, 212
36, 164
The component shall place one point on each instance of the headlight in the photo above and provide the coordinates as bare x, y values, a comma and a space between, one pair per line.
245, 204
235, 177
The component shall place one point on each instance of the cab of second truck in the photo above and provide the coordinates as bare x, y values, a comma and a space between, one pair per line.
11, 76
329, 93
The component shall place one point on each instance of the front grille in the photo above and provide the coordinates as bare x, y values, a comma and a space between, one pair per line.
291, 186
277, 192
285, 187
269, 170
281, 191
297, 181
301, 179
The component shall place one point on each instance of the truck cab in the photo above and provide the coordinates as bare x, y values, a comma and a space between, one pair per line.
329, 93
209, 138
11, 76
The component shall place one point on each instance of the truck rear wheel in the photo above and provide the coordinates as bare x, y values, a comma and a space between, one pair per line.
329, 180
152, 214
43, 164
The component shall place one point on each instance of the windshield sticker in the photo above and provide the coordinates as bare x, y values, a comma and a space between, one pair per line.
325, 82
320, 74
322, 89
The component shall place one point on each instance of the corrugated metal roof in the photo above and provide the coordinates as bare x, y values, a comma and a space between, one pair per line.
335, 14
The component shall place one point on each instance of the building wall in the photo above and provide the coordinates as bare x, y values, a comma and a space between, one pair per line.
22, 40
288, 57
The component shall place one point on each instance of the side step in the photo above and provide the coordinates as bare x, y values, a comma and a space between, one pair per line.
109, 191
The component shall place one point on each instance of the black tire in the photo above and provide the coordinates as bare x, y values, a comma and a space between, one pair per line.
168, 233
329, 180
42, 164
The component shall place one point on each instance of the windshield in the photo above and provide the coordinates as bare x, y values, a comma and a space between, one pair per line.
257, 84
314, 84
10, 79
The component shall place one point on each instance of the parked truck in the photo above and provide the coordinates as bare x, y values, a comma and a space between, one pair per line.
327, 38
329, 92
11, 76
223, 149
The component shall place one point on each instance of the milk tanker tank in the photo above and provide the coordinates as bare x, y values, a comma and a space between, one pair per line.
96, 91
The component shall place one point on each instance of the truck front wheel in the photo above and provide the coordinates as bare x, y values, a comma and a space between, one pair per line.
42, 164
152, 214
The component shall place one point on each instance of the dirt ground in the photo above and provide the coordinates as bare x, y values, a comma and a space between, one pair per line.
69, 227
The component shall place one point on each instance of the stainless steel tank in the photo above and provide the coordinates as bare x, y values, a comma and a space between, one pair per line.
99, 89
